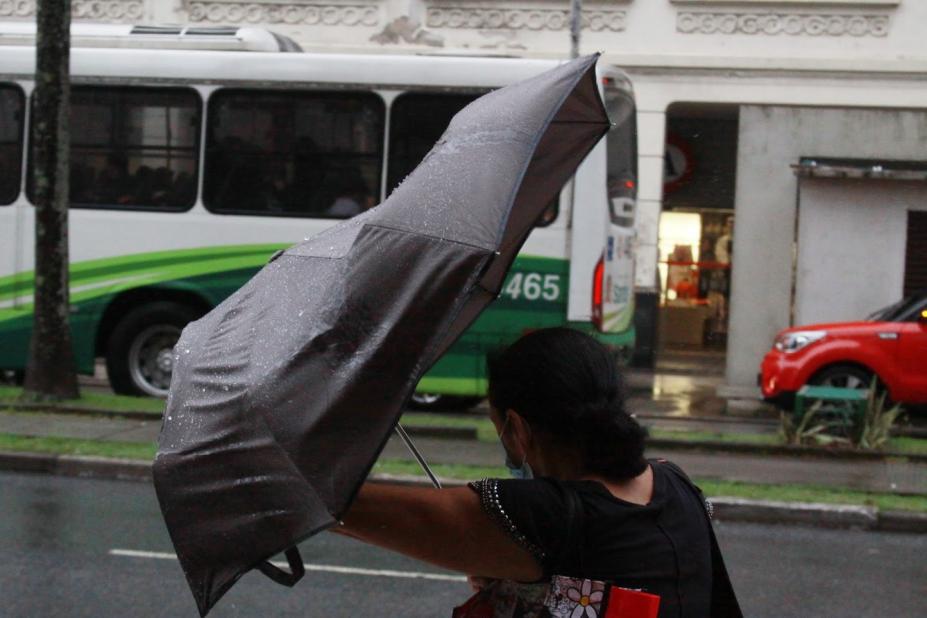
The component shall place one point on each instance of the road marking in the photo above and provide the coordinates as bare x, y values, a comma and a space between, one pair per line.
326, 568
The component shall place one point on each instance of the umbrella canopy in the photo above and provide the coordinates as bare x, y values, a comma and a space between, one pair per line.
283, 396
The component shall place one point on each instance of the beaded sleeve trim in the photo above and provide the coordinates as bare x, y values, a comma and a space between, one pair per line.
488, 491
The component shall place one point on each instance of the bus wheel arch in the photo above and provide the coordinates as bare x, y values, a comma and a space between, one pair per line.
137, 333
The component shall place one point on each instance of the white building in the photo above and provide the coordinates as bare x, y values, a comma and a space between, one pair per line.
739, 101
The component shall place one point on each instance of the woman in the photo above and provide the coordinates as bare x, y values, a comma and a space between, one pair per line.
557, 403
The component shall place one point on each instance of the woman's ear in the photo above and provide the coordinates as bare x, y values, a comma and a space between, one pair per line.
519, 431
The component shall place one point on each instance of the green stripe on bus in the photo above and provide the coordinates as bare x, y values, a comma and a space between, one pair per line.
216, 272
452, 386
92, 271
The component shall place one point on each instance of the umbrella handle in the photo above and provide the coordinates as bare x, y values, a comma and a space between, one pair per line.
418, 456
297, 570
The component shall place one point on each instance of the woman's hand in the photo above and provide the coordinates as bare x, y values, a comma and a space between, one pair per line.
478, 583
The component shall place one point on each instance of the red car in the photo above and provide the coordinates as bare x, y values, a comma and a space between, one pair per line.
891, 345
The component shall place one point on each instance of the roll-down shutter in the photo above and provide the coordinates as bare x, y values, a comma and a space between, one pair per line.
915, 262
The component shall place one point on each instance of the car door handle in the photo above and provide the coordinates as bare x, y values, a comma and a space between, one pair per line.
888, 335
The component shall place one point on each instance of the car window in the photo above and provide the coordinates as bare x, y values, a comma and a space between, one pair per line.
895, 311
914, 310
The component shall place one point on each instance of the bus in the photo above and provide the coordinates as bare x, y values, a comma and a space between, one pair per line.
196, 153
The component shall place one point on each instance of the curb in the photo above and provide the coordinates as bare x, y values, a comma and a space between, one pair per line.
132, 415
75, 465
783, 450
838, 516
807, 513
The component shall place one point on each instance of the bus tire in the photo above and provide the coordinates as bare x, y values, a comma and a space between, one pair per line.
139, 353
429, 402
16, 377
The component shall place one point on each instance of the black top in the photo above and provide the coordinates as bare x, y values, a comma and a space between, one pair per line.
663, 548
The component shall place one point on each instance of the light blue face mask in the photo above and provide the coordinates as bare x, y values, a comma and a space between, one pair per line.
523, 471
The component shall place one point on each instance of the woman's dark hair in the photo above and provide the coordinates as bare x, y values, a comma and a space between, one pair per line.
568, 386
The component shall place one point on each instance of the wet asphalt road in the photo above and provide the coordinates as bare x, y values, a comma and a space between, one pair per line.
62, 545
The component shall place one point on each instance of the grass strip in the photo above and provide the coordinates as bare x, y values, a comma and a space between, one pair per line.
102, 401
487, 433
812, 493
485, 430
912, 446
449, 471
75, 446
732, 489
763, 439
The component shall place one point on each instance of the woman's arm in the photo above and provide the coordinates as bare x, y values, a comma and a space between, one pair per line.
446, 527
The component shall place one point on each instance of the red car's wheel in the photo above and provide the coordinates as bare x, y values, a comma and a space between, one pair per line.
843, 376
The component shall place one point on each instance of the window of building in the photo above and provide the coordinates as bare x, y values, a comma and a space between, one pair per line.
134, 147
11, 141
311, 154
915, 264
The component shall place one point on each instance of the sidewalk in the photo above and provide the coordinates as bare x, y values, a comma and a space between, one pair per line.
872, 476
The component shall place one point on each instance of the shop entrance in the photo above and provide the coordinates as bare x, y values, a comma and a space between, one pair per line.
696, 235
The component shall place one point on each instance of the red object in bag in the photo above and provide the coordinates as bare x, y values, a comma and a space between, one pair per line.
477, 606
624, 603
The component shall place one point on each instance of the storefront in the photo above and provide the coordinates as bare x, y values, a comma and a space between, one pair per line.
696, 227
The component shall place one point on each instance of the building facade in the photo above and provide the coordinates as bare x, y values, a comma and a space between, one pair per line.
734, 97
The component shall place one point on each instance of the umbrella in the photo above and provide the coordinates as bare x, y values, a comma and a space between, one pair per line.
283, 396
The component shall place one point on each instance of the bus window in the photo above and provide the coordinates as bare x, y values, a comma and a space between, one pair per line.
621, 158
11, 142
310, 153
134, 147
417, 121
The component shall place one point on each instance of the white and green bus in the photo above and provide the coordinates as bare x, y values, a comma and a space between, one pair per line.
196, 153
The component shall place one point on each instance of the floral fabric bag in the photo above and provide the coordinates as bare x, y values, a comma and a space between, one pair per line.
563, 597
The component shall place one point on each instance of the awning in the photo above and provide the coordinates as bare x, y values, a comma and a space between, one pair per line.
860, 168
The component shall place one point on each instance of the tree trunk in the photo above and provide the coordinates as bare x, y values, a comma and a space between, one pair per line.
50, 370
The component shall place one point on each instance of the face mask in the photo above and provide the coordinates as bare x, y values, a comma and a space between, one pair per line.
523, 471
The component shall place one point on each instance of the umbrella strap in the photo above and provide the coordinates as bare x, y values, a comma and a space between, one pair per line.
297, 570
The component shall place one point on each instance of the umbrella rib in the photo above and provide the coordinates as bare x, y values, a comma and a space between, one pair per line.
598, 122
418, 456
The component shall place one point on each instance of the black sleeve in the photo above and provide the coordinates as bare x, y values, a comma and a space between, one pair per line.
532, 511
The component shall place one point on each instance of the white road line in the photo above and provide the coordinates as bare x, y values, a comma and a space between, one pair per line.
327, 568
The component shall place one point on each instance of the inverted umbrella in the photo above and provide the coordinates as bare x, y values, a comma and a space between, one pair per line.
283, 396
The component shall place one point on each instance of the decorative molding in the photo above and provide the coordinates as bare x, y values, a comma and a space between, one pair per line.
858, 4
92, 10
482, 17
17, 8
291, 13
404, 29
793, 24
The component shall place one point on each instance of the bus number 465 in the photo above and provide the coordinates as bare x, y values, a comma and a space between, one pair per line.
532, 286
